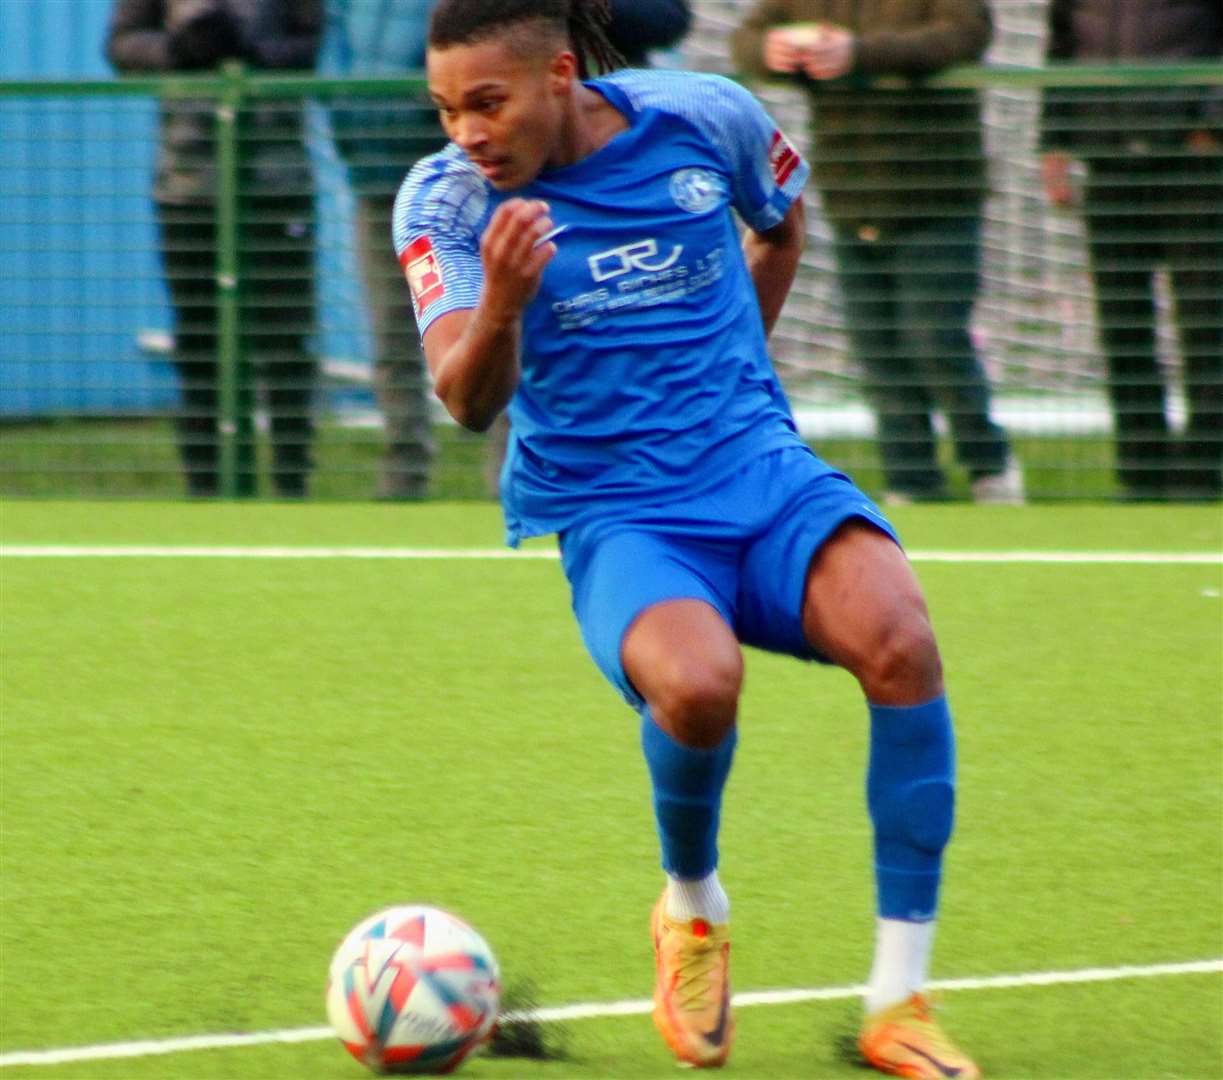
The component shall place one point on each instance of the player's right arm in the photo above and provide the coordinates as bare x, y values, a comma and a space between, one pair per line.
474, 354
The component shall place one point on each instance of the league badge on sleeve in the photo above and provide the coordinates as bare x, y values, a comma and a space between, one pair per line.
783, 158
424, 274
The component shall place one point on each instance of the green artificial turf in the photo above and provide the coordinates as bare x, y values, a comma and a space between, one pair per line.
465, 524
210, 769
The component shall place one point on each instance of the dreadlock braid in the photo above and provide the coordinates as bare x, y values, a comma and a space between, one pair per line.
588, 21
583, 23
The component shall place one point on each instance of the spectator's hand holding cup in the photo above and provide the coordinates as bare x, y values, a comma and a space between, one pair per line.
783, 48
828, 50
820, 50
829, 53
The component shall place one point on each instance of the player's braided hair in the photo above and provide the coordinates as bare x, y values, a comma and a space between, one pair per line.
582, 22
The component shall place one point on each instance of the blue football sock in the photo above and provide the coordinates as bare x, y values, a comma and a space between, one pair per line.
688, 787
910, 790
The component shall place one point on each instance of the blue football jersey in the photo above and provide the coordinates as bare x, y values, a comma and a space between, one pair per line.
644, 368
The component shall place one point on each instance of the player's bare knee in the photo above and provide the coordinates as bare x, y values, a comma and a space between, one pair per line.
697, 699
904, 666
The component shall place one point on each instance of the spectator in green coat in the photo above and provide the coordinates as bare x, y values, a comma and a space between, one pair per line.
902, 177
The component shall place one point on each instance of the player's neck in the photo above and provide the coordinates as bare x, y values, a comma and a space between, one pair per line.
591, 122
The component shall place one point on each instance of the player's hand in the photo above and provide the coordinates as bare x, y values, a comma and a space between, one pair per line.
513, 257
830, 55
1055, 178
783, 51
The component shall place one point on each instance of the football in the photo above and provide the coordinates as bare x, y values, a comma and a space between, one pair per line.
413, 990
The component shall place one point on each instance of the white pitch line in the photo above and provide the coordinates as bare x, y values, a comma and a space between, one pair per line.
1141, 558
197, 551
592, 1010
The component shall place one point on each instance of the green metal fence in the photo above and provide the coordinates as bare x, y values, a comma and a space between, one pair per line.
1143, 144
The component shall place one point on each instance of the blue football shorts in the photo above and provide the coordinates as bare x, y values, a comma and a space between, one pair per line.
744, 547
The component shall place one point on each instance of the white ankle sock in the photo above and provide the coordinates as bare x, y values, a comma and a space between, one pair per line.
902, 961
700, 898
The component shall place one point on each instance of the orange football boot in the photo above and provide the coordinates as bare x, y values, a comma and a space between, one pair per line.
905, 1040
692, 992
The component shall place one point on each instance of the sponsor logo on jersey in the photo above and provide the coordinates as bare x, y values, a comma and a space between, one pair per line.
640, 255
424, 274
783, 158
696, 190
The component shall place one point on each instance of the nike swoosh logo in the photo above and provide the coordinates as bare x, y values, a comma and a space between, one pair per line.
718, 1034
946, 1070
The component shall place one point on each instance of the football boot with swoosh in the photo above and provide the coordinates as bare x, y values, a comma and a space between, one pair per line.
692, 992
905, 1040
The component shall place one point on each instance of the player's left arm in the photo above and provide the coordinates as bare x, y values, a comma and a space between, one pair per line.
767, 176
772, 260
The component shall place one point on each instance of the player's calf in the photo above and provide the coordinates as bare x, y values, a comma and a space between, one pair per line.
910, 789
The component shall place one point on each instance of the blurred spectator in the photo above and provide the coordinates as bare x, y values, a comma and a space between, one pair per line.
1153, 196
381, 141
902, 177
276, 212
641, 27
638, 29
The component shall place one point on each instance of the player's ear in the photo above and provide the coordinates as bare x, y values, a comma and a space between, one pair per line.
562, 71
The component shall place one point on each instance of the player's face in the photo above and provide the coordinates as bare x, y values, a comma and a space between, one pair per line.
504, 110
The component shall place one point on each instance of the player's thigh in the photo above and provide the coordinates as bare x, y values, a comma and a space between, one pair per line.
813, 503
617, 577
864, 610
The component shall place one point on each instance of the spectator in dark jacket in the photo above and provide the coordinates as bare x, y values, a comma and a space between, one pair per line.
902, 179
276, 208
1154, 196
640, 27
381, 140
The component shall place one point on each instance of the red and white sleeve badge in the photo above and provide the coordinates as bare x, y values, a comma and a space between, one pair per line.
424, 273
783, 158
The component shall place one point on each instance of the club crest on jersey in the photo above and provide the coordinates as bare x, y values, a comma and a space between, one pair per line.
783, 158
424, 274
696, 190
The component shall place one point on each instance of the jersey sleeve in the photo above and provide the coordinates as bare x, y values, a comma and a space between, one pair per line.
436, 225
767, 173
